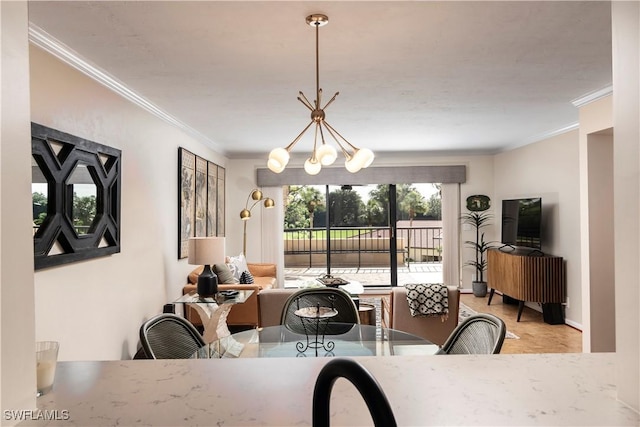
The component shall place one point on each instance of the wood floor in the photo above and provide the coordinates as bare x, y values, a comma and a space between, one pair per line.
536, 336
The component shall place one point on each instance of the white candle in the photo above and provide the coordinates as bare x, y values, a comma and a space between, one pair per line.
45, 373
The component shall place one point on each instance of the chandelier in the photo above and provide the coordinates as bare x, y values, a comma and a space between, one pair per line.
323, 154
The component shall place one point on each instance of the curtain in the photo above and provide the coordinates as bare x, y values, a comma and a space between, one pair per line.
451, 263
272, 226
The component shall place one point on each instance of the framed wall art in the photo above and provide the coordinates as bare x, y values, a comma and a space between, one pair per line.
186, 205
200, 200
212, 199
221, 202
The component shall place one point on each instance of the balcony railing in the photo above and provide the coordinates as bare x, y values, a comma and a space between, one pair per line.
360, 246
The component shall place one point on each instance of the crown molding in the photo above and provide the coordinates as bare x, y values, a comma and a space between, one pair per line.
592, 96
541, 137
48, 43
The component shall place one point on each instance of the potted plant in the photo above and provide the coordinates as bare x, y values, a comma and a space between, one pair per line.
478, 220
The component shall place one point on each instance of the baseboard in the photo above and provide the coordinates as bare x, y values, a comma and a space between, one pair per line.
465, 291
574, 325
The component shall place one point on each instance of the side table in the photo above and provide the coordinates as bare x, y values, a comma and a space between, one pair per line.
213, 311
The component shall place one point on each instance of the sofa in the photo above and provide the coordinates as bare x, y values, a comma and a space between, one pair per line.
245, 314
270, 304
396, 315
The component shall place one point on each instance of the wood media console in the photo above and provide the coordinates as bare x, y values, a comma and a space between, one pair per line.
534, 278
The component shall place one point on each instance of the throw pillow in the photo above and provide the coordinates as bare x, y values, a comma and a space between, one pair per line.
237, 265
246, 278
224, 274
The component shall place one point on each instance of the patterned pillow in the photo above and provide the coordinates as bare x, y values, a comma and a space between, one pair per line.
246, 278
224, 274
237, 265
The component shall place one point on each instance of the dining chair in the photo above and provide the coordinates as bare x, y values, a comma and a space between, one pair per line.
480, 333
168, 336
334, 298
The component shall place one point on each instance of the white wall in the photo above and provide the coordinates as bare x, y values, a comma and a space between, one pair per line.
595, 118
94, 308
626, 115
600, 283
17, 346
549, 169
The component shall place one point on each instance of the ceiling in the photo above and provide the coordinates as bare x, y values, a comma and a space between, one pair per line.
413, 76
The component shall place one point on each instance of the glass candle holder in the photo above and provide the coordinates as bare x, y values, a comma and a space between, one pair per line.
46, 359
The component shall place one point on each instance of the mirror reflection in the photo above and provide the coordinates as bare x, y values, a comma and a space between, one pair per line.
39, 195
83, 203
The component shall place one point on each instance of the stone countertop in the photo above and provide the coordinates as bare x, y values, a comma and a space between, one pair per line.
508, 390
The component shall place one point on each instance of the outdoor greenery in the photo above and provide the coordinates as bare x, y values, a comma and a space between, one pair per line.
84, 210
306, 207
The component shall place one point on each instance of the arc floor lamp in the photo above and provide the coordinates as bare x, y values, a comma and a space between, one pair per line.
256, 197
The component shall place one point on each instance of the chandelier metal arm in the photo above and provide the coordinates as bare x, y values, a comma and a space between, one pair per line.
322, 135
331, 100
305, 101
290, 146
315, 144
342, 149
318, 90
331, 129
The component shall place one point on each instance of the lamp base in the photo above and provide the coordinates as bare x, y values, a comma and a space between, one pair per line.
207, 283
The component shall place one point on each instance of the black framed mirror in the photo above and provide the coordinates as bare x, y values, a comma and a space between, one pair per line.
76, 197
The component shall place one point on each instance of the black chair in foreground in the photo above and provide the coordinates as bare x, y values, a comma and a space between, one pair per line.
333, 298
481, 333
167, 336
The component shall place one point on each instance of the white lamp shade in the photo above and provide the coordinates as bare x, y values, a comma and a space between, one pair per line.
327, 154
352, 164
365, 157
278, 159
311, 167
206, 250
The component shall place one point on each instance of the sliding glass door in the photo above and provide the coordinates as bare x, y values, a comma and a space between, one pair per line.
378, 235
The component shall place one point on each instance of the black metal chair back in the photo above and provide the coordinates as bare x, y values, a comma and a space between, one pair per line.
167, 336
334, 298
480, 333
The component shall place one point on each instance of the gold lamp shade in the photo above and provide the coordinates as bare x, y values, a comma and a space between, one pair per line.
269, 203
245, 214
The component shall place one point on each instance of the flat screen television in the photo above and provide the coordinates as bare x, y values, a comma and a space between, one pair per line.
521, 222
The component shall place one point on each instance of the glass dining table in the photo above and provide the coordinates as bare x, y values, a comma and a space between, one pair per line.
340, 340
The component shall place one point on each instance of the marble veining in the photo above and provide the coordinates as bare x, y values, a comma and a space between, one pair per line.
502, 390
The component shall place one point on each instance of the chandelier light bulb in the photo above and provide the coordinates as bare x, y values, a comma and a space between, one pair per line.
327, 154
364, 157
312, 167
278, 159
351, 164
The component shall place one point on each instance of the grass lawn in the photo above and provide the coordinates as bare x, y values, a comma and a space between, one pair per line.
322, 234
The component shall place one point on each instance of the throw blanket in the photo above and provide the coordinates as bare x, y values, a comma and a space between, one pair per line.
428, 299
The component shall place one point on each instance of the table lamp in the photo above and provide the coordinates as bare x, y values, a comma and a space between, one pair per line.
205, 251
